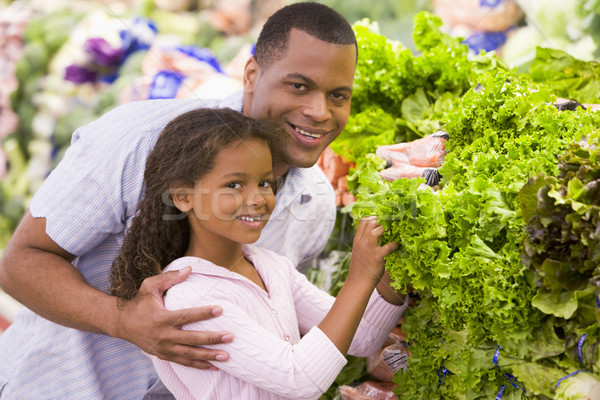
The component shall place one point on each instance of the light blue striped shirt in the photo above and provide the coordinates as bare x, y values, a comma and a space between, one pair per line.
88, 201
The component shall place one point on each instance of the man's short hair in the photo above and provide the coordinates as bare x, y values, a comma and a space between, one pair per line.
316, 19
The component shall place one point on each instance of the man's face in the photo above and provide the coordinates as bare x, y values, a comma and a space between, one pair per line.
308, 90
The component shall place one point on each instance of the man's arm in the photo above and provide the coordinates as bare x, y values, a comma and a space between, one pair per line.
38, 273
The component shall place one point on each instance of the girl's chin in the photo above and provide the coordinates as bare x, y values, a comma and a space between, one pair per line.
249, 241
250, 238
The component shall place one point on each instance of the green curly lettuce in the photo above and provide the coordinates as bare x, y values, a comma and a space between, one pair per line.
460, 247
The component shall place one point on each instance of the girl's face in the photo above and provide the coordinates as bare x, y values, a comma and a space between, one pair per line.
233, 201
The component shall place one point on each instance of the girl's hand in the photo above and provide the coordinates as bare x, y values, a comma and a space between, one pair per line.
367, 261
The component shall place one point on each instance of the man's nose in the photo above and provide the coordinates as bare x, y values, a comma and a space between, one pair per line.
317, 107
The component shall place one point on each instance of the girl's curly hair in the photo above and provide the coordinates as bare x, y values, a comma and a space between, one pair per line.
184, 152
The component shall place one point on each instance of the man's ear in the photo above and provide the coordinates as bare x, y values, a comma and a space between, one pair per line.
251, 70
183, 197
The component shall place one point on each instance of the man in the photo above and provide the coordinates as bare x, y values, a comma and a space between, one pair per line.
75, 343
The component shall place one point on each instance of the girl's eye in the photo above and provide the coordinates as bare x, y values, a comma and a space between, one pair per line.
265, 184
234, 185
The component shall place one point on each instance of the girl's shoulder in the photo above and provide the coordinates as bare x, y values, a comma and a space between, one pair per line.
183, 262
200, 267
204, 286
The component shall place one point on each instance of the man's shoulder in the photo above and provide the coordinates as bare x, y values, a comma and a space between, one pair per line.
140, 117
166, 109
233, 101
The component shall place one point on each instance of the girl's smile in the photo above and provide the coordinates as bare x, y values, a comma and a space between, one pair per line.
253, 222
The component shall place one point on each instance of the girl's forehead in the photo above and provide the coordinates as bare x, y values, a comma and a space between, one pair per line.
249, 146
243, 154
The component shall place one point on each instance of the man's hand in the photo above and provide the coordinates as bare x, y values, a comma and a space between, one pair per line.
38, 273
145, 322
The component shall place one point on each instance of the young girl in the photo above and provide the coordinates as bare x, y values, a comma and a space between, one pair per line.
208, 193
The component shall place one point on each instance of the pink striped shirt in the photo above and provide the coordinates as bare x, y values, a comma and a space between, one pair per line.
278, 351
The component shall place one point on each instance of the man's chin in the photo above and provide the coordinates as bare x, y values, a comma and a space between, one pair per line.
304, 163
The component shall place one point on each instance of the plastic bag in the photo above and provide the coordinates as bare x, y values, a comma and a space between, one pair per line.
369, 391
180, 72
393, 357
487, 41
417, 159
428, 151
404, 170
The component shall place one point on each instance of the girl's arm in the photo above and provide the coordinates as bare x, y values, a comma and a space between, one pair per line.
390, 295
380, 317
365, 272
267, 361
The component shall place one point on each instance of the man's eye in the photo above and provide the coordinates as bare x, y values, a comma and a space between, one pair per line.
234, 185
338, 96
299, 86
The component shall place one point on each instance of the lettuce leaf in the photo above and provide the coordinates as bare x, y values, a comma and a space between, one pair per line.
569, 77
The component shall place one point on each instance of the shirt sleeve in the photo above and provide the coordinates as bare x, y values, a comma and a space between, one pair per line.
96, 186
304, 370
380, 317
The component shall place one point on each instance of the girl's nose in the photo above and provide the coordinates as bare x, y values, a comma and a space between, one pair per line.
256, 199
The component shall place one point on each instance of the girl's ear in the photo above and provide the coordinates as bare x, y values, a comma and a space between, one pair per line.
183, 197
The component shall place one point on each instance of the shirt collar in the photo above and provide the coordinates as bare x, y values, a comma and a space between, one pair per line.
205, 267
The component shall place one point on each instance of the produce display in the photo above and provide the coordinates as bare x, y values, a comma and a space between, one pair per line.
486, 175
503, 255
